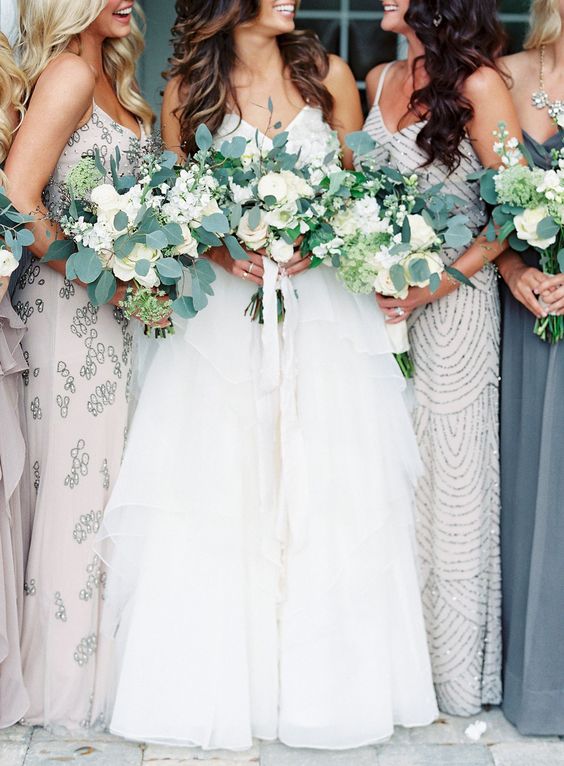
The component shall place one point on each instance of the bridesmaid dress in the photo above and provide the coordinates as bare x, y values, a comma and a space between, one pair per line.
76, 406
455, 348
15, 521
532, 492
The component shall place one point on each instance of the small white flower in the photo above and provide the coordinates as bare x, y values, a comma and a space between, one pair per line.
423, 236
8, 263
475, 730
253, 238
281, 251
273, 185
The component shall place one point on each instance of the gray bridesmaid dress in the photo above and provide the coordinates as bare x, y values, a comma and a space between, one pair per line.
532, 491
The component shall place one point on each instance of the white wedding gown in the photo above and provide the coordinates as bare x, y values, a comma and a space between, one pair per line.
262, 574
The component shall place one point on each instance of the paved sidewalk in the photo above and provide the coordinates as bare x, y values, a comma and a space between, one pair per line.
443, 744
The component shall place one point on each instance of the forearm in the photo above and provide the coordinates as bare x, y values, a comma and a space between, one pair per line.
507, 262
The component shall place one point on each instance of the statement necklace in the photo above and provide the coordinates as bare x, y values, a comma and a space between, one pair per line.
540, 98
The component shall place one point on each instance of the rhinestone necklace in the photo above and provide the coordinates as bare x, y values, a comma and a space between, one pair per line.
540, 98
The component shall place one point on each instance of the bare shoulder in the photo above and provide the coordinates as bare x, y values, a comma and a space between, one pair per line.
68, 69
484, 83
339, 75
519, 64
173, 93
372, 81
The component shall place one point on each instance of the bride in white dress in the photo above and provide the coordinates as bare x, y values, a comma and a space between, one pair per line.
262, 575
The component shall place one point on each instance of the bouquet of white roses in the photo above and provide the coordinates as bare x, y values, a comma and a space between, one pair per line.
388, 236
147, 230
528, 211
272, 198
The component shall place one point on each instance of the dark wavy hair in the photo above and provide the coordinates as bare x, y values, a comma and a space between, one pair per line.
469, 36
204, 57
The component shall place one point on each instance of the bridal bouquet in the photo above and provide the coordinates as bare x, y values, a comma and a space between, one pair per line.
13, 235
388, 236
272, 198
528, 211
147, 230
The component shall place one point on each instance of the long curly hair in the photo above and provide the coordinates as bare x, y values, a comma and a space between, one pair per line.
49, 26
468, 37
13, 91
204, 57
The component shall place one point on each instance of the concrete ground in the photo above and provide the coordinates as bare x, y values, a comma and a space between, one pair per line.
442, 744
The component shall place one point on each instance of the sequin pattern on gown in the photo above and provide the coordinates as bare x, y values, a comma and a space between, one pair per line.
76, 391
455, 348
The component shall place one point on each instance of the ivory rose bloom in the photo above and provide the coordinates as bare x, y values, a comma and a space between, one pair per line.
253, 238
526, 225
434, 263
383, 284
108, 202
8, 263
124, 268
281, 251
422, 235
273, 185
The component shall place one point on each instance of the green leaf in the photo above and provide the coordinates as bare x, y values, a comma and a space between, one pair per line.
206, 237
123, 246
235, 215
169, 268
235, 249
280, 140
157, 240
360, 142
59, 250
487, 188
216, 223
419, 270
254, 217
270, 105
507, 228
87, 265
434, 283
184, 307
406, 231
547, 228
397, 275
121, 221
174, 234
204, 139
205, 271
519, 245
103, 290
142, 267
458, 236
560, 259
459, 276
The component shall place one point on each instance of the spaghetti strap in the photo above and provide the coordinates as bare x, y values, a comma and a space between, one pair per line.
382, 80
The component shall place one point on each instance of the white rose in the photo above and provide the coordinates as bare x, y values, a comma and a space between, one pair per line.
345, 224
108, 202
281, 217
297, 187
273, 185
281, 251
434, 263
211, 208
190, 245
124, 268
241, 194
526, 225
253, 238
422, 235
383, 284
8, 263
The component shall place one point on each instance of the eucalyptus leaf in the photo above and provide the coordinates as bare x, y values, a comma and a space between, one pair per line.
519, 245
121, 220
184, 307
156, 240
169, 268
458, 236
204, 139
87, 265
235, 249
59, 250
216, 223
459, 276
254, 217
360, 142
547, 228
104, 288
397, 275
142, 267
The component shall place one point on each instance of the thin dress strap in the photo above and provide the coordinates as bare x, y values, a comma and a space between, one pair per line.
381, 81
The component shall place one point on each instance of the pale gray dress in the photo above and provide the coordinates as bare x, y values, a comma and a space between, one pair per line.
455, 348
532, 461
76, 406
15, 510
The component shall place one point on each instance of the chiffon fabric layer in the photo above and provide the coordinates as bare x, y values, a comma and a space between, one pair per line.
15, 520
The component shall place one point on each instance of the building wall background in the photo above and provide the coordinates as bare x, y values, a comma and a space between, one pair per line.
350, 28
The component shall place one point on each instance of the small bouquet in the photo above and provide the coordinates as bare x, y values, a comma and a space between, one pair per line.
528, 211
388, 236
147, 230
13, 237
273, 199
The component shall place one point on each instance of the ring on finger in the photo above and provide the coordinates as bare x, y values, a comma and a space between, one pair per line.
251, 267
245, 274
399, 311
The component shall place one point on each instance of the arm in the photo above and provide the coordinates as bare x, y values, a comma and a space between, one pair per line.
61, 99
170, 125
347, 114
492, 104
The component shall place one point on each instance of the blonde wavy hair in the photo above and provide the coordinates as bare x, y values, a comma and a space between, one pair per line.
13, 93
545, 23
49, 26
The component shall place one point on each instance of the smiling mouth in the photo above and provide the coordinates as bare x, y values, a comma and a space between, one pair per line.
288, 9
124, 13
390, 7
